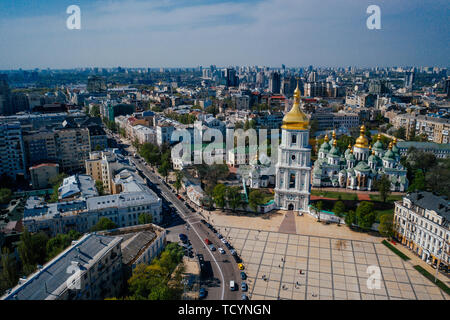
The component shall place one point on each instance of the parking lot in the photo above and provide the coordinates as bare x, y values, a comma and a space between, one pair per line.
299, 267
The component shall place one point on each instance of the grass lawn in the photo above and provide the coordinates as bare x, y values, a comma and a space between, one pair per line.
390, 198
395, 250
430, 277
334, 194
383, 212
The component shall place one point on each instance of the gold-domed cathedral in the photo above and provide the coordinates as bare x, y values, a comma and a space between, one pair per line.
293, 170
359, 166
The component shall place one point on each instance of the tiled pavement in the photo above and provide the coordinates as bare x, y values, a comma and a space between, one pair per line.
331, 268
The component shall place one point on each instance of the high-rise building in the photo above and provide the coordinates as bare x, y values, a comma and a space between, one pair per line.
274, 83
5, 96
293, 170
232, 80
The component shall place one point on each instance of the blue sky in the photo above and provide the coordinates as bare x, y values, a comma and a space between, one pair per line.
188, 33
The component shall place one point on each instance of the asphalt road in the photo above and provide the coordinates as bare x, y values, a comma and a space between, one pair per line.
177, 218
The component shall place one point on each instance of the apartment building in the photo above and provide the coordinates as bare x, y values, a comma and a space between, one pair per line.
90, 269
436, 129
12, 157
103, 165
69, 146
421, 222
82, 214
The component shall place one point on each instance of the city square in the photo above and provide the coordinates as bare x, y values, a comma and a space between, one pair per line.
332, 269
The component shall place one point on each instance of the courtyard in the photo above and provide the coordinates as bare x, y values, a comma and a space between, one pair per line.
331, 268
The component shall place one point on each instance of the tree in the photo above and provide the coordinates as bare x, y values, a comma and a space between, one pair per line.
163, 170
5, 195
400, 133
103, 224
95, 111
178, 180
319, 207
350, 218
56, 182
386, 227
9, 275
60, 242
150, 153
151, 282
418, 182
438, 178
32, 250
255, 199
219, 192
145, 218
100, 188
234, 197
384, 187
365, 215
339, 209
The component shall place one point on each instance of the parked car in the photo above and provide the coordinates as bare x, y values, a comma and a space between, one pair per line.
224, 241
212, 248
243, 275
244, 297
241, 266
219, 236
183, 237
244, 287
221, 250
232, 285
207, 241
233, 252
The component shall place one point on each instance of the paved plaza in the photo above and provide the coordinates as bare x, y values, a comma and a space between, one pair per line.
332, 269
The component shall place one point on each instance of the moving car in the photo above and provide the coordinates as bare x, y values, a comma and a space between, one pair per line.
221, 250
207, 241
241, 266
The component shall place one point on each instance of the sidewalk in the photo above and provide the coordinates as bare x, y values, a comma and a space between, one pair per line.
415, 260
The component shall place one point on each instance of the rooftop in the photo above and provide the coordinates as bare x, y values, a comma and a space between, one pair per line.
430, 201
50, 281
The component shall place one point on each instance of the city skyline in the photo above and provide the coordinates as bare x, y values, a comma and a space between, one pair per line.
173, 34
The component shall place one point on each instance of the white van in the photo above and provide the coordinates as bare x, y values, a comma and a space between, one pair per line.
232, 285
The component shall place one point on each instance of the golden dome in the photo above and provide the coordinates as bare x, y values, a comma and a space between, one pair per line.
334, 143
362, 141
349, 146
295, 119
326, 138
334, 135
395, 141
